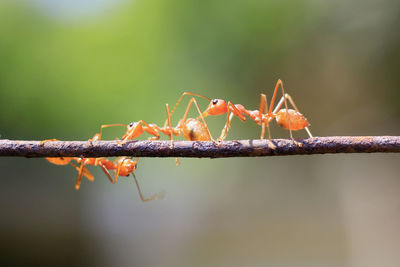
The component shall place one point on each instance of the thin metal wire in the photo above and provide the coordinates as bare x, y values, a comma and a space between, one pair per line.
202, 149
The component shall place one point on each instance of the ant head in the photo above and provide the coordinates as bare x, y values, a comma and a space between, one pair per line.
216, 107
131, 125
127, 166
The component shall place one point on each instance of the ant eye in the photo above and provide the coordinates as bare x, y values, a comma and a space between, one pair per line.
215, 101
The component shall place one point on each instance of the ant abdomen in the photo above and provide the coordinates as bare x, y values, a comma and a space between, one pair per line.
60, 161
291, 119
195, 130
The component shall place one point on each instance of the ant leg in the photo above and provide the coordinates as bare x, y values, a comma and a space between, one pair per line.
295, 107
262, 112
281, 101
86, 173
263, 107
159, 195
204, 121
180, 99
227, 126
98, 136
118, 170
78, 181
177, 162
170, 127
106, 172
193, 100
235, 111
271, 106
287, 112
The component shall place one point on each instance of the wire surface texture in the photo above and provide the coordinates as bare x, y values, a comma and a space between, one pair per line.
202, 149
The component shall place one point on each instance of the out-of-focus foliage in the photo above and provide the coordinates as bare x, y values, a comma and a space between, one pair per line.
82, 73
66, 67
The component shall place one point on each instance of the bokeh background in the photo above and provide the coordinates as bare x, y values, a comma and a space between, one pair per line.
66, 67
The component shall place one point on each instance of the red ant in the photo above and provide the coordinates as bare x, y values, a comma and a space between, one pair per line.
289, 119
123, 167
221, 107
192, 129
133, 130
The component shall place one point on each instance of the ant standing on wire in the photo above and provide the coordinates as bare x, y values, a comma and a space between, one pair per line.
221, 107
289, 119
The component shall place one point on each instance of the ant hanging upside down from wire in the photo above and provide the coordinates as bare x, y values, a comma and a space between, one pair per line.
122, 166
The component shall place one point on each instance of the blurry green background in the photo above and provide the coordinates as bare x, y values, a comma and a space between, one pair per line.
66, 67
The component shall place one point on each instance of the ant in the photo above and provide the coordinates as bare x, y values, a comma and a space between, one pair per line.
289, 119
192, 129
123, 167
133, 130
215, 107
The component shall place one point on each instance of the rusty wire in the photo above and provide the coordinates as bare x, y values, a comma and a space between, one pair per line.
204, 149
